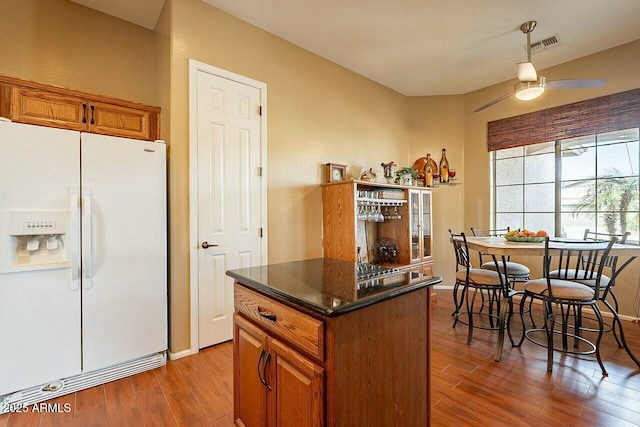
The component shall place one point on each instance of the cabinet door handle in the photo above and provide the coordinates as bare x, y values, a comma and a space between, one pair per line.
84, 113
269, 316
264, 371
92, 122
262, 353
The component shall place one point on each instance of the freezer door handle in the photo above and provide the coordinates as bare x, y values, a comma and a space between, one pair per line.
87, 239
74, 229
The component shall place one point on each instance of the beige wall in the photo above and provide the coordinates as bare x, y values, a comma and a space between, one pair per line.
318, 112
620, 66
62, 43
437, 122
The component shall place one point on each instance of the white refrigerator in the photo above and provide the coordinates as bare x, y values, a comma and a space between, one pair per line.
83, 260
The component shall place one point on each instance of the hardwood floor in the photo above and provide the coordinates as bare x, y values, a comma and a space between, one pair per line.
469, 388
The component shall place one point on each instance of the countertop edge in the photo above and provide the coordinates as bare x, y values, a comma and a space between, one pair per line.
294, 301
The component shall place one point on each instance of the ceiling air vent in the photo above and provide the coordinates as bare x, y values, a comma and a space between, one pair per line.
547, 43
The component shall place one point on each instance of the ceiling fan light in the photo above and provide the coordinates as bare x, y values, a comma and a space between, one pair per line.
526, 91
526, 72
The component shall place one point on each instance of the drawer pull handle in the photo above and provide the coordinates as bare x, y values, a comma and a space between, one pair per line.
262, 313
84, 113
264, 371
262, 353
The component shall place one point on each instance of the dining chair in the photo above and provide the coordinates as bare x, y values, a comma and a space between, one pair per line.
607, 283
477, 280
611, 263
516, 272
564, 294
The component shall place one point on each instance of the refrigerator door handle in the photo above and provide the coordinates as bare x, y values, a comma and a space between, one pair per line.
74, 235
87, 239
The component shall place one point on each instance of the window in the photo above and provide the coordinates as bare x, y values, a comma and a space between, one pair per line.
569, 185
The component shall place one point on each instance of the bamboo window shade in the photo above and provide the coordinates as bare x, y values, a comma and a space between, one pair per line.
598, 115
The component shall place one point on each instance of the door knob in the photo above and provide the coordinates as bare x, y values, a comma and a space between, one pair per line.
206, 245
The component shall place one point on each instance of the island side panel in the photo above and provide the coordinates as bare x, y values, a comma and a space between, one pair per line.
378, 364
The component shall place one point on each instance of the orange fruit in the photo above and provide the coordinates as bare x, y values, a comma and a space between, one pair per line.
541, 233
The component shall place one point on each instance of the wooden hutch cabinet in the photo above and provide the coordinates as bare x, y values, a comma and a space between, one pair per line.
379, 223
34, 103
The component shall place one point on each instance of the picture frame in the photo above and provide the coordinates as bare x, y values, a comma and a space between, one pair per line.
335, 172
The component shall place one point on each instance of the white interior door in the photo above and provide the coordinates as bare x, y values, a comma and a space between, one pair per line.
124, 252
230, 196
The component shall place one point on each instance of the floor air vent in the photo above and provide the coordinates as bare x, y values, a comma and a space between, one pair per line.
31, 396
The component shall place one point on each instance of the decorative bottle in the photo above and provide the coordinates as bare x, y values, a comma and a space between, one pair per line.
444, 167
428, 172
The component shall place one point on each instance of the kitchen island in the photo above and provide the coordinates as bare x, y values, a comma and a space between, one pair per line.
329, 342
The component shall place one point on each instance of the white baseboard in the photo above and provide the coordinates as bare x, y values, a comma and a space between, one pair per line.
181, 354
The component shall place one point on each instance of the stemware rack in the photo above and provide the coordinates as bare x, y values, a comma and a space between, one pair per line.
408, 224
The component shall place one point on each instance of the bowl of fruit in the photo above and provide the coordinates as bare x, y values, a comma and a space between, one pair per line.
526, 236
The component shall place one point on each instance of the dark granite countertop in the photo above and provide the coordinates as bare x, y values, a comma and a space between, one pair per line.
326, 286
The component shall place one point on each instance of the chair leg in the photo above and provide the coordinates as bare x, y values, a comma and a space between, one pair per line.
502, 325
523, 301
509, 317
458, 304
578, 325
564, 315
616, 319
470, 314
533, 321
621, 344
549, 323
600, 332
455, 299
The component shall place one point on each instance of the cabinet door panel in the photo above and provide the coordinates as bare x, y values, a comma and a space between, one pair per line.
47, 108
415, 225
250, 400
426, 223
111, 119
298, 384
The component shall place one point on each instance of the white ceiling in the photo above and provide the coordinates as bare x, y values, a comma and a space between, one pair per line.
141, 12
426, 47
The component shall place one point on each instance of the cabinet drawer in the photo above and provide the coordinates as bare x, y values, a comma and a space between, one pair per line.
296, 328
427, 271
420, 272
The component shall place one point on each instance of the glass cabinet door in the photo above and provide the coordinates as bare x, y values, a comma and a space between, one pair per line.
426, 223
414, 224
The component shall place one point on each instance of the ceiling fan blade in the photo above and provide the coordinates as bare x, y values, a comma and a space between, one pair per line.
495, 101
526, 72
574, 83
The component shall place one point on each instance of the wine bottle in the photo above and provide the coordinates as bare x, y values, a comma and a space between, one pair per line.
444, 167
428, 172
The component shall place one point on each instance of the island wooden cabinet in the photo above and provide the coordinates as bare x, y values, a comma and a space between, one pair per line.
274, 384
296, 368
350, 233
35, 103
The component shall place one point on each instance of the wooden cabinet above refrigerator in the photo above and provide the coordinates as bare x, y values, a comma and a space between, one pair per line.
35, 103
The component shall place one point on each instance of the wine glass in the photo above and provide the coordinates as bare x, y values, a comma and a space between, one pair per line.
452, 173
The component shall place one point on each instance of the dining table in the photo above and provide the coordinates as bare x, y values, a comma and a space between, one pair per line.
501, 248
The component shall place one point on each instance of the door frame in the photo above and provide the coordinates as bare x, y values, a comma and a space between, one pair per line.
194, 68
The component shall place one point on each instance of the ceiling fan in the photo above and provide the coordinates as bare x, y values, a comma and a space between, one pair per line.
530, 85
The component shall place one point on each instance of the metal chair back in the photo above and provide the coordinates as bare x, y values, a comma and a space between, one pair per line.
576, 261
